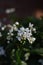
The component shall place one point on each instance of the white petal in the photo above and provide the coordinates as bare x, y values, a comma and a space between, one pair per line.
17, 23
22, 29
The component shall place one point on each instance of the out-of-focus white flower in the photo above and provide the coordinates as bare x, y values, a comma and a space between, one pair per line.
34, 29
2, 51
22, 29
11, 10
15, 27
3, 28
31, 39
18, 38
40, 61
8, 38
11, 30
17, 23
0, 34
30, 25
12, 34
23, 63
8, 42
27, 56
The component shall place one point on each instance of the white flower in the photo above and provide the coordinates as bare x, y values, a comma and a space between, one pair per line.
8, 37
31, 39
0, 34
15, 27
18, 38
27, 56
26, 33
8, 42
22, 29
27, 30
12, 34
13, 50
30, 25
40, 61
34, 29
11, 30
3, 28
2, 51
23, 63
17, 23
10, 10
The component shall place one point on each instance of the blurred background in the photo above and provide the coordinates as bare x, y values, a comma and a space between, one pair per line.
23, 8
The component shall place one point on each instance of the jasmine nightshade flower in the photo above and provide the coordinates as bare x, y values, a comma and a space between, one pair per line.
27, 56
3, 28
17, 23
26, 33
11, 30
2, 51
8, 37
23, 63
8, 41
30, 25
15, 27
31, 39
32, 28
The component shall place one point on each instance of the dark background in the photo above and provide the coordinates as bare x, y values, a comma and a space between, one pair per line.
23, 7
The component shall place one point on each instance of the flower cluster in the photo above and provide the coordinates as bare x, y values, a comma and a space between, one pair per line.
22, 32
26, 33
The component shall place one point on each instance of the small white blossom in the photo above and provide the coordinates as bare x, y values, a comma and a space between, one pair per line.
3, 28
18, 38
8, 42
8, 38
34, 29
23, 63
2, 51
14, 61
12, 34
11, 30
15, 27
8, 33
30, 25
10, 10
40, 61
22, 29
31, 39
27, 56
13, 50
17, 23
